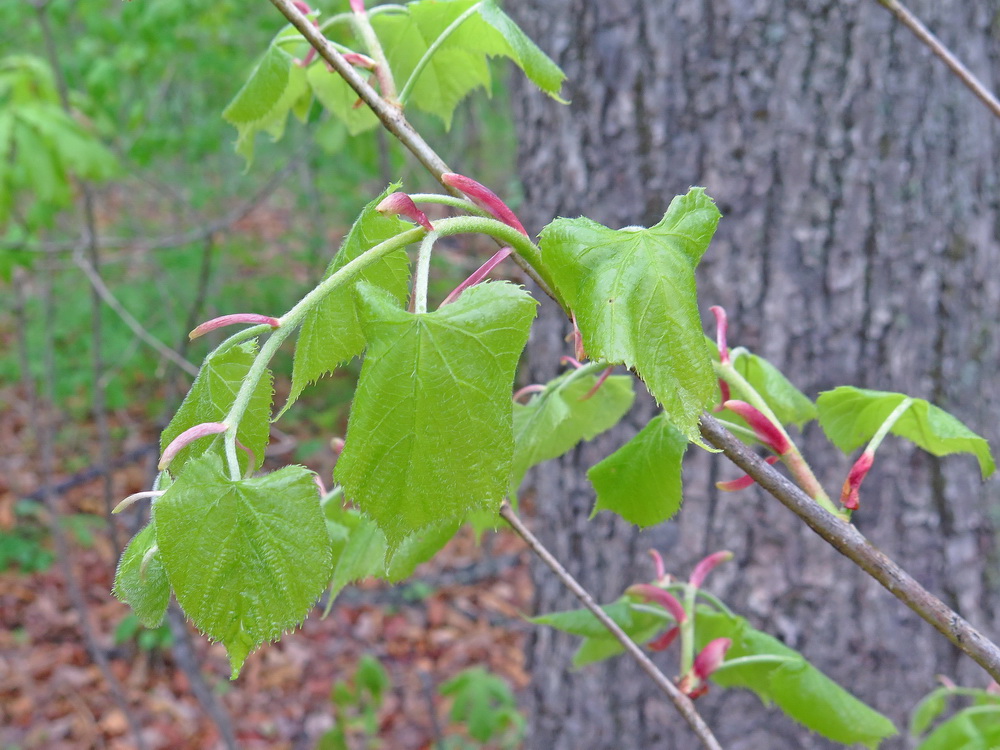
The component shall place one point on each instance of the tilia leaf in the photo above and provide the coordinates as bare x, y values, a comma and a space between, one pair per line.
430, 435
799, 689
633, 293
641, 481
851, 416
559, 417
246, 559
144, 588
209, 400
331, 333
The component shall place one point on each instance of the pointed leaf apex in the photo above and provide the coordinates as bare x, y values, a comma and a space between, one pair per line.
766, 431
665, 599
485, 198
721, 331
189, 436
661, 569
402, 204
707, 565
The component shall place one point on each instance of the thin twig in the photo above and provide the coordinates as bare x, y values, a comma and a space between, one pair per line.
681, 702
105, 294
956, 66
851, 543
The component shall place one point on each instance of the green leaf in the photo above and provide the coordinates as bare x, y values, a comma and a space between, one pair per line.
459, 64
430, 435
976, 728
581, 622
851, 416
804, 693
273, 89
209, 400
334, 93
789, 404
247, 559
928, 710
538, 66
633, 293
483, 702
641, 481
593, 650
555, 420
331, 332
147, 594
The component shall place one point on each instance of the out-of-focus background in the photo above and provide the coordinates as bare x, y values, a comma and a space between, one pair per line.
126, 218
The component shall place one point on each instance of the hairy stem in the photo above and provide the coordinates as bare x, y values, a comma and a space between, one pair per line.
423, 272
681, 702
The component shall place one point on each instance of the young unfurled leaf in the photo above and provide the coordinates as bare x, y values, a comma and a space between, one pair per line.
336, 95
331, 333
555, 420
800, 690
641, 481
973, 728
273, 89
851, 416
633, 293
459, 64
430, 435
209, 400
147, 591
246, 559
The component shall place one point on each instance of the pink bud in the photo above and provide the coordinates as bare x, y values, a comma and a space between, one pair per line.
337, 445
402, 205
765, 430
721, 329
358, 6
478, 275
359, 60
319, 485
707, 565
189, 436
665, 599
849, 495
661, 570
302, 7
483, 197
663, 642
234, 319
594, 388
711, 657
744, 481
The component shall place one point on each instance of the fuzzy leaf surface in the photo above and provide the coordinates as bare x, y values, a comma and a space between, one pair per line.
634, 296
148, 595
804, 693
209, 400
247, 559
641, 481
555, 420
331, 332
850, 417
430, 435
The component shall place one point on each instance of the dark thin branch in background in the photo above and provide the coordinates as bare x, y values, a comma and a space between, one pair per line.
44, 429
956, 66
851, 543
681, 702
99, 407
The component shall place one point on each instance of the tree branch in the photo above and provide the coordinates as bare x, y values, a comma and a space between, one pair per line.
851, 543
681, 702
956, 66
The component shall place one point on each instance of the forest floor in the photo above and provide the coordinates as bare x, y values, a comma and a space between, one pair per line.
465, 609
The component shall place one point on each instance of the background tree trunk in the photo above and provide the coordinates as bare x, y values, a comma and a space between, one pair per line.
859, 186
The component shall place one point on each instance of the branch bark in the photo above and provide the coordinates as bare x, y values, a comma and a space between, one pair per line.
681, 702
851, 543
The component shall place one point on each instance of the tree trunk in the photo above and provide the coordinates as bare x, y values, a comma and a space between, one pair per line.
858, 184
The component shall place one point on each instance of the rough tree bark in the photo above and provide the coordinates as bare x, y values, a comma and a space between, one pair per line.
860, 245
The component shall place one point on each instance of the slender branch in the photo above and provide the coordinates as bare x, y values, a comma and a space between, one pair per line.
681, 702
104, 293
914, 24
851, 543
